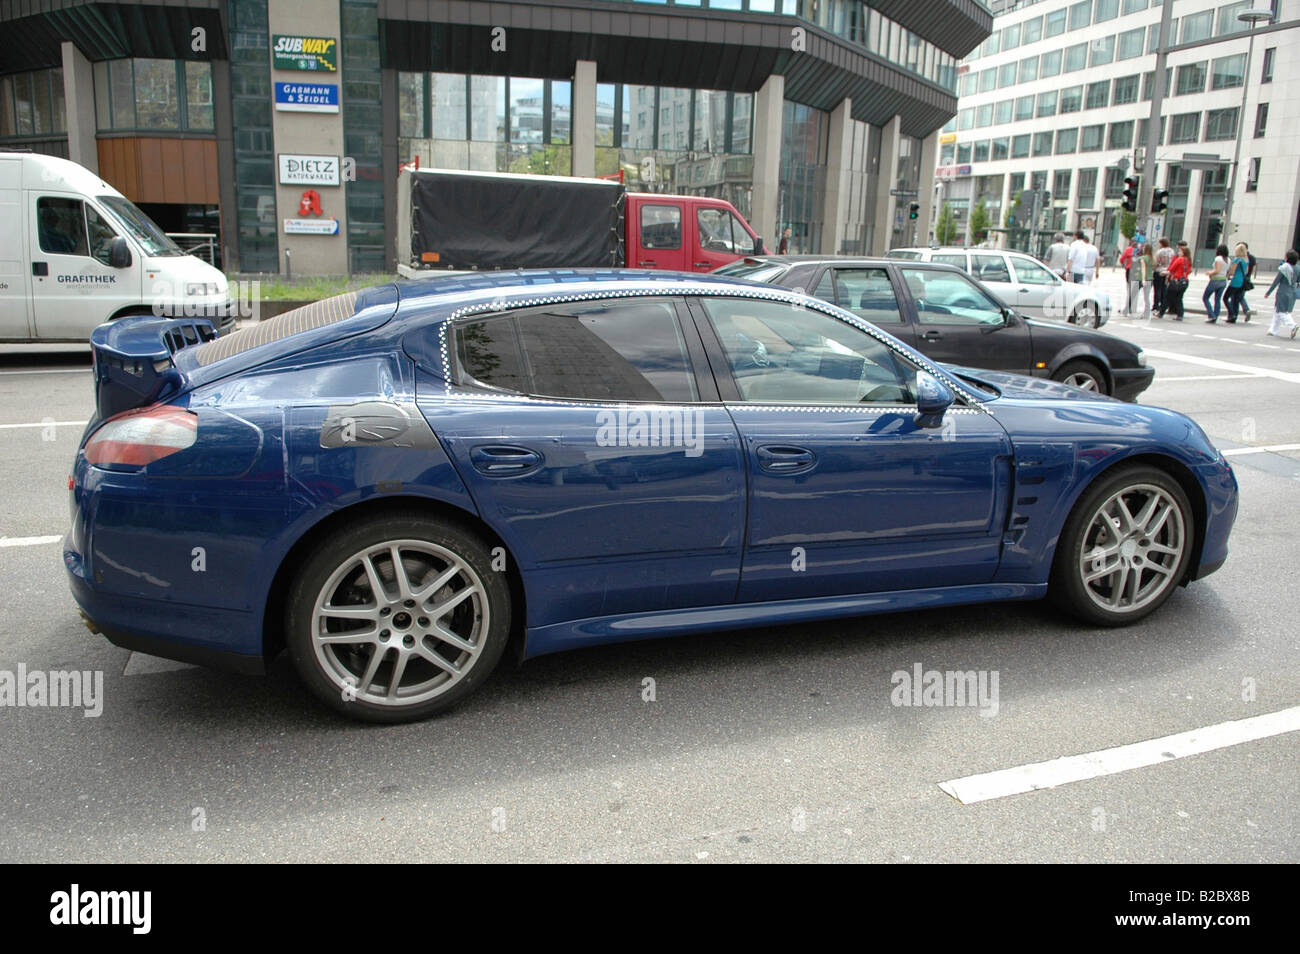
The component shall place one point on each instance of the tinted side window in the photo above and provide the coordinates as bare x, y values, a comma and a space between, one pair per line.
661, 226
990, 268
867, 293
782, 354
588, 351
948, 298
60, 226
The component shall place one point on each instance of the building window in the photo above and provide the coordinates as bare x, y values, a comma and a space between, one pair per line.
1131, 44
1001, 148
31, 104
1261, 120
963, 153
1076, 58
448, 100
1087, 187
1061, 183
1007, 74
965, 119
1042, 144
1031, 31
1228, 22
145, 94
1099, 95
1050, 64
1029, 69
1102, 51
1126, 90
1229, 72
1149, 80
947, 154
1054, 23
1024, 108
984, 115
1047, 103
1072, 99
969, 83
1020, 146
981, 151
1091, 138
1221, 124
1080, 14
1067, 141
1266, 74
487, 108
1133, 6
1191, 79
411, 110
1185, 127
1144, 125
1114, 183
1252, 175
1197, 26
1011, 37
1121, 135
988, 80
1106, 10
1003, 111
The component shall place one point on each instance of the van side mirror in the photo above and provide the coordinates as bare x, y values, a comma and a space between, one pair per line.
119, 253
758, 245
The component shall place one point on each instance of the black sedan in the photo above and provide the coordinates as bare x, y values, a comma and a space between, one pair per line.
952, 318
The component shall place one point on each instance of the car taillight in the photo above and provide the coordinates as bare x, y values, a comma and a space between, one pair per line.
140, 437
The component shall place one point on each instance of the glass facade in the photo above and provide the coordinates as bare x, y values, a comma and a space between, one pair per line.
251, 104
801, 185
31, 104
153, 95
363, 134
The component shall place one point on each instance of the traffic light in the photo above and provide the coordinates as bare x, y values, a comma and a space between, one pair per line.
1159, 201
1131, 194
914, 210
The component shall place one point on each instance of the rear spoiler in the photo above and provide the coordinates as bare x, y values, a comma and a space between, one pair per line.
133, 364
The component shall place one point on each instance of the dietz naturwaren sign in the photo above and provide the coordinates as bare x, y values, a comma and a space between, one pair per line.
304, 53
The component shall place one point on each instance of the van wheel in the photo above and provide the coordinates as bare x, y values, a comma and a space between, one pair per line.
1124, 549
1083, 375
394, 619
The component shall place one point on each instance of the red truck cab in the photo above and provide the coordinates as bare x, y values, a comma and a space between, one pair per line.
685, 233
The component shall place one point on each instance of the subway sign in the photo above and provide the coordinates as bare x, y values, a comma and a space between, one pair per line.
315, 53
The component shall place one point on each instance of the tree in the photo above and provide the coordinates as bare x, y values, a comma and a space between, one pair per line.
945, 230
1128, 224
979, 223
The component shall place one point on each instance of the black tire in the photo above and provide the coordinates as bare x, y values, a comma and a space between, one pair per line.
336, 577
1082, 534
1086, 314
1073, 373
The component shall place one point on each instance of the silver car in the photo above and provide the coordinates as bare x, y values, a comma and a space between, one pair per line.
1021, 282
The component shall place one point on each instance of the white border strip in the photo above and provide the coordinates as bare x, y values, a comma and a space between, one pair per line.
28, 541
1077, 768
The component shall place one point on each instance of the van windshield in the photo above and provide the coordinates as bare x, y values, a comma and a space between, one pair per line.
142, 228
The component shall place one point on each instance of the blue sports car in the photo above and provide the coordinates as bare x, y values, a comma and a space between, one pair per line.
395, 485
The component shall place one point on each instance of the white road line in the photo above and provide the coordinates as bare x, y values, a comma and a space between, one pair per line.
9, 427
1258, 344
1183, 333
1270, 449
52, 371
1206, 337
1291, 377
1202, 377
28, 541
1123, 758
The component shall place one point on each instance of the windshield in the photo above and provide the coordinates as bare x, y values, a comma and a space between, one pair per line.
142, 228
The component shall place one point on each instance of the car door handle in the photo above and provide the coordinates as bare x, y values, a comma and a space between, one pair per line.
503, 460
648, 261
41, 269
932, 335
703, 264
1024, 291
785, 458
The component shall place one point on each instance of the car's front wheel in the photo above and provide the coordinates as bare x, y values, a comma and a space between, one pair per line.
1125, 547
1081, 374
392, 620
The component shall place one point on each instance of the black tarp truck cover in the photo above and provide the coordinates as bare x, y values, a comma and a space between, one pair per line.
468, 220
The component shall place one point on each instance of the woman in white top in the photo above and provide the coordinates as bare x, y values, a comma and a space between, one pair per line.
1218, 281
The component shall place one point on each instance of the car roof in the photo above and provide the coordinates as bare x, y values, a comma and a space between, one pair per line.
963, 248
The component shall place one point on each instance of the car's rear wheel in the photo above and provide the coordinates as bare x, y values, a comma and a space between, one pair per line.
393, 620
1086, 314
1125, 547
1081, 374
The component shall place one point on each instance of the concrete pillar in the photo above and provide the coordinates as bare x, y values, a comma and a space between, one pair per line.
996, 221
769, 102
1192, 220
1072, 206
839, 178
79, 100
583, 121
925, 220
886, 204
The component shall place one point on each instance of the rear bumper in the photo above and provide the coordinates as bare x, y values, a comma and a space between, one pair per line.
1130, 382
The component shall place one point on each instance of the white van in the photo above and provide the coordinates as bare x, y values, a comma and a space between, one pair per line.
75, 253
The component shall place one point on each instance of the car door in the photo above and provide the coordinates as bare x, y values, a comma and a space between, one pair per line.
73, 286
661, 242
620, 484
1038, 291
848, 493
957, 322
993, 273
720, 237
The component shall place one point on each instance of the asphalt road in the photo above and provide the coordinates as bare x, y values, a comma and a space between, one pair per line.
769, 745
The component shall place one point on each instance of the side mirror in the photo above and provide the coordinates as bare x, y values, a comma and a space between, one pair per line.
758, 245
119, 253
933, 398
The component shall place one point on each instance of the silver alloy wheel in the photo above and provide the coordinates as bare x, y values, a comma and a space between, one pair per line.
1082, 381
1132, 548
400, 622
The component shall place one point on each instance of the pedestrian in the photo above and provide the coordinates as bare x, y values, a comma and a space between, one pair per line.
1091, 259
1218, 280
1126, 259
1252, 262
1236, 291
1164, 255
784, 247
1058, 256
1288, 276
1180, 267
1075, 258
1142, 269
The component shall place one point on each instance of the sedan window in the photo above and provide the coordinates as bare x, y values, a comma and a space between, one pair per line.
990, 268
782, 354
950, 258
949, 298
1030, 272
868, 293
589, 351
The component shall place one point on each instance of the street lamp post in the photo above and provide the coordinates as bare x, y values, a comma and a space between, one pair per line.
1254, 18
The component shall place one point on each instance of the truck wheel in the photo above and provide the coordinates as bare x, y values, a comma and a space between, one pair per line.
1125, 547
1083, 375
392, 620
